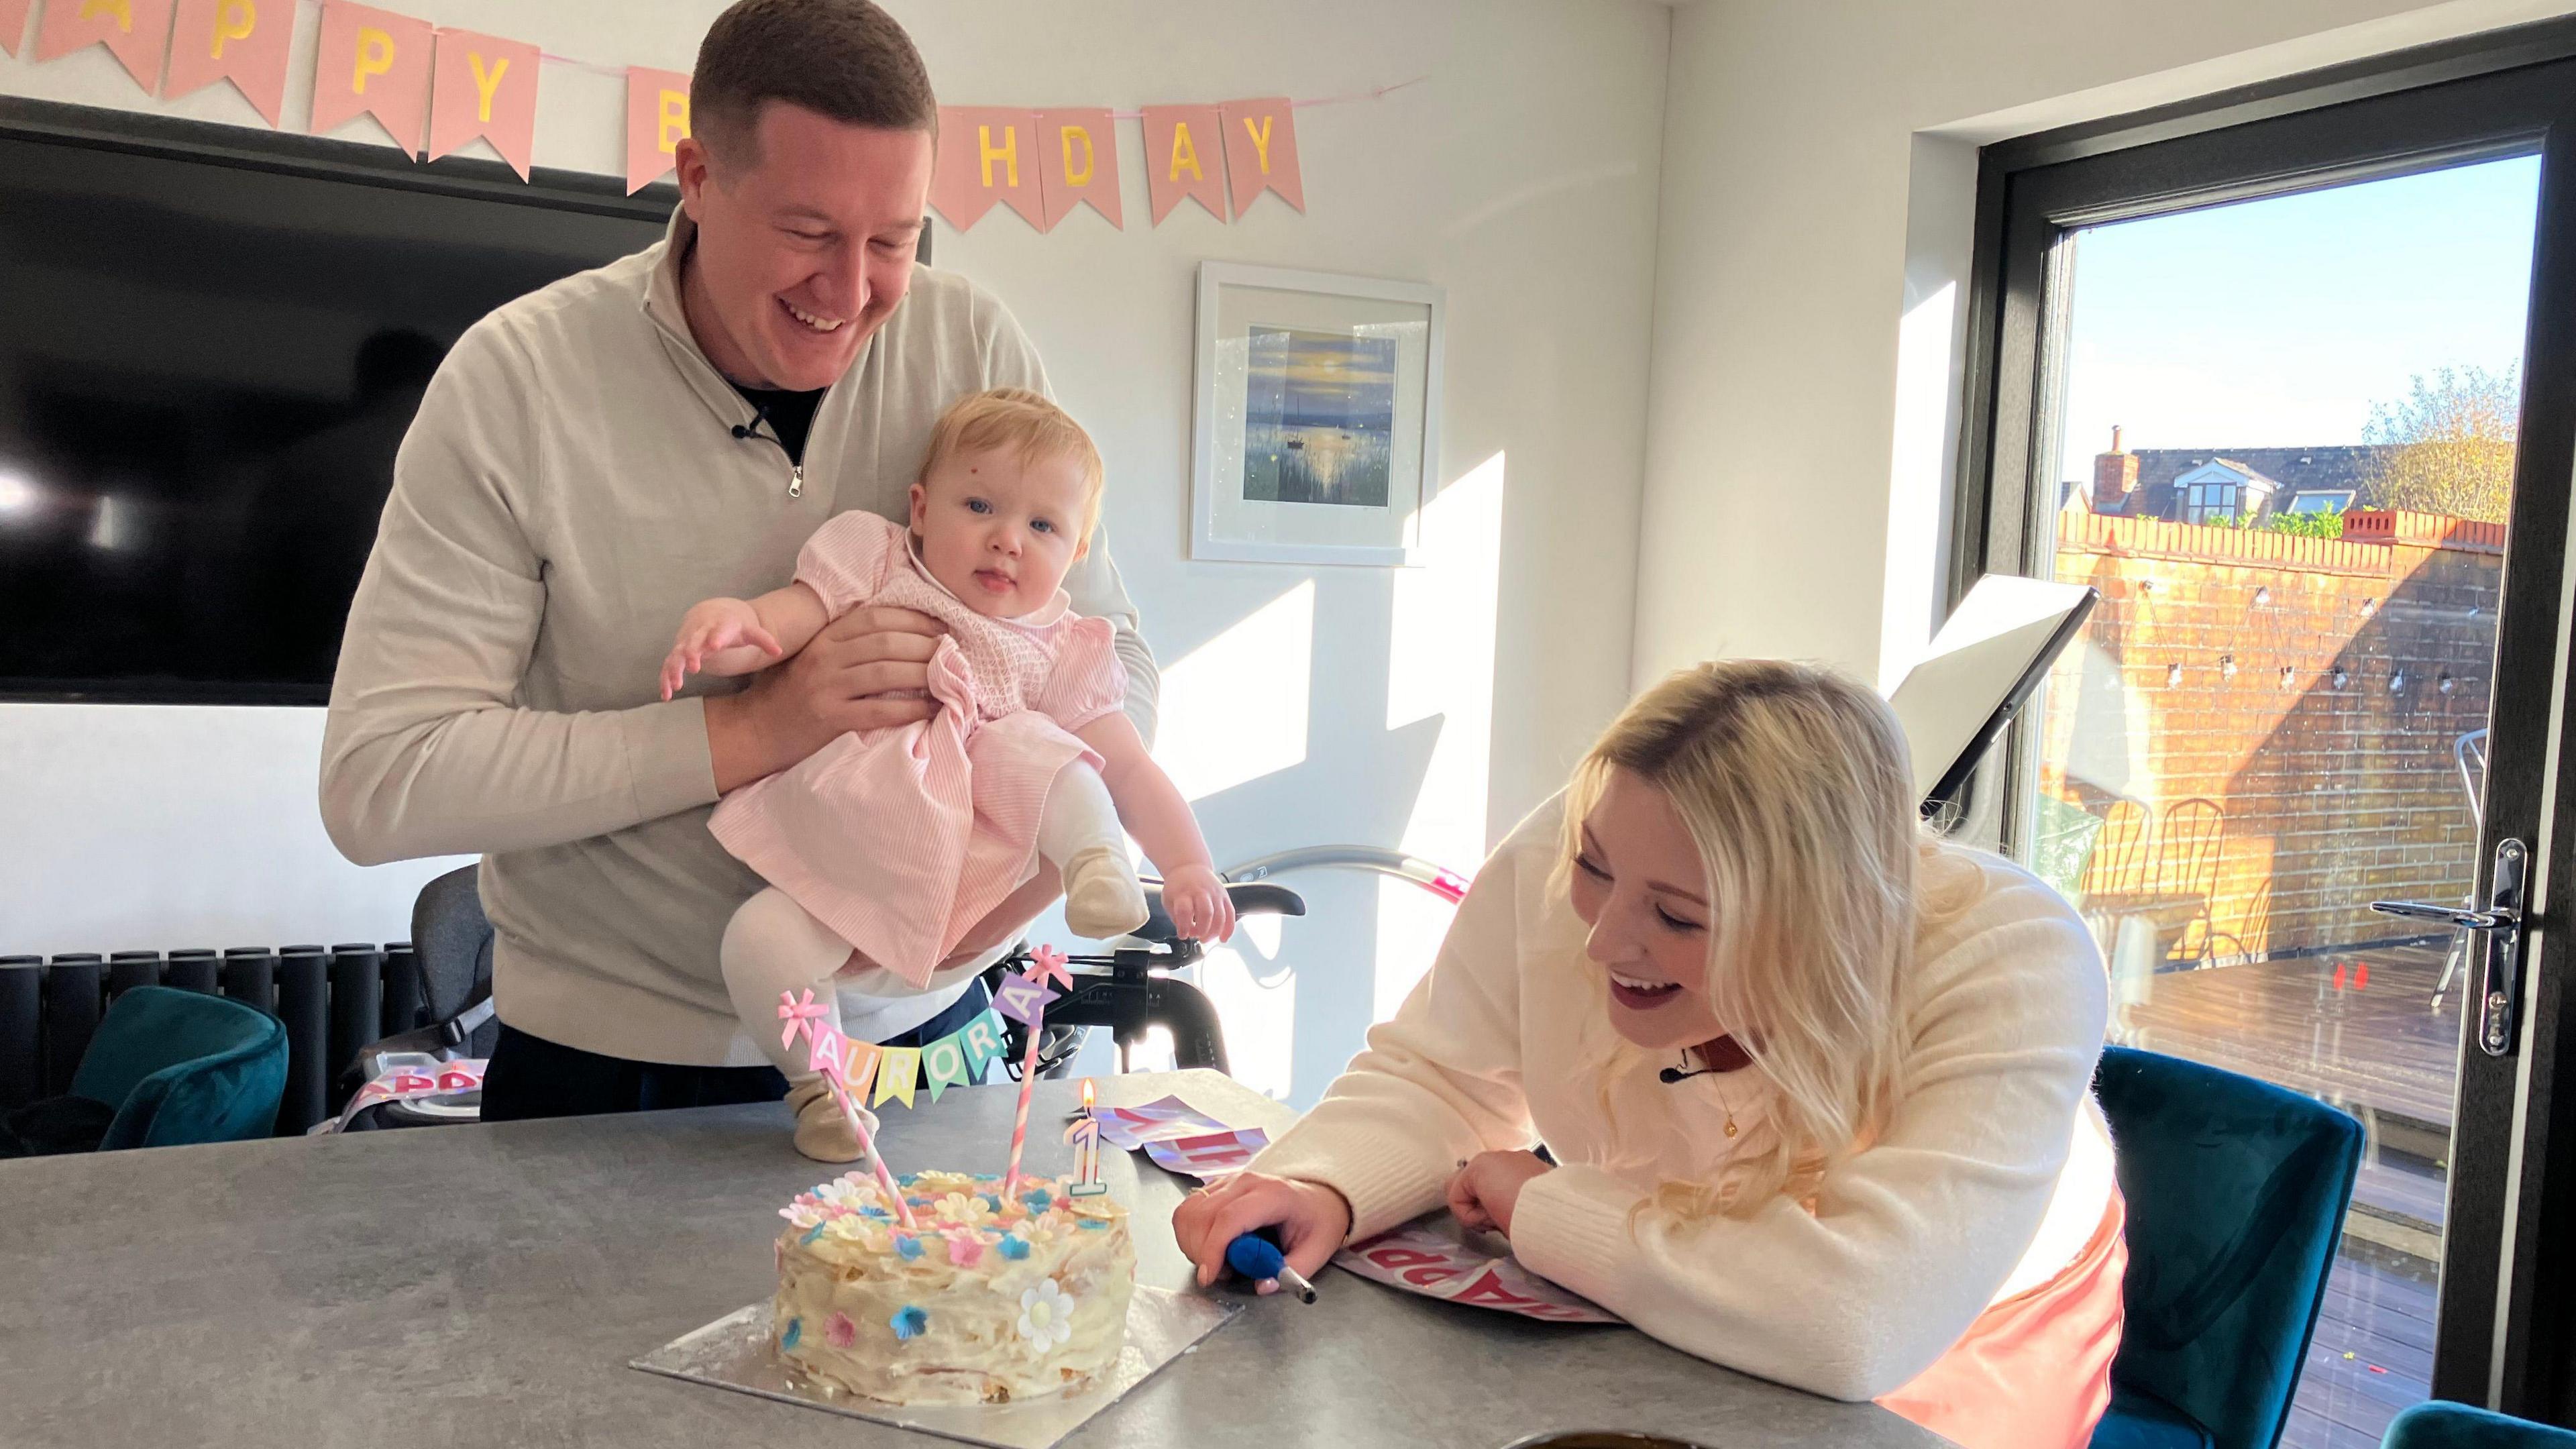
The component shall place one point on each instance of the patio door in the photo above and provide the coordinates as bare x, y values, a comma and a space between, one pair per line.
2298, 395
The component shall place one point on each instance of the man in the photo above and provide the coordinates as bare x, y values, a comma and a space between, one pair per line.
590, 460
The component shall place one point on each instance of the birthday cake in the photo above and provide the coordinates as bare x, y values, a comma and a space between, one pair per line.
985, 1299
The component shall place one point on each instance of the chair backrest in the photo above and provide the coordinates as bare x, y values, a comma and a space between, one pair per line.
452, 940
2236, 1192
2457, 1426
2120, 850
180, 1067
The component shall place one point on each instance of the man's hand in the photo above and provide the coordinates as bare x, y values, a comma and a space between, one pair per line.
1198, 905
867, 670
1484, 1192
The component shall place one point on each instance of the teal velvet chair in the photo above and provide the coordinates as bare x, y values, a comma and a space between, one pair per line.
181, 1067
2457, 1426
2236, 1193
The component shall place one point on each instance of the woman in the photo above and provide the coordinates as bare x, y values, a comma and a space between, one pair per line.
1817, 1082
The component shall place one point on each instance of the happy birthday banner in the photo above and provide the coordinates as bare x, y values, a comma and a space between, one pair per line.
435, 90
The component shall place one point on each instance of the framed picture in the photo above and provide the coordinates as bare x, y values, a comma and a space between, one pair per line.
1317, 421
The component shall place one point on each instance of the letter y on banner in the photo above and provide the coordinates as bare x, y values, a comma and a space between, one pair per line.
484, 87
136, 32
242, 41
370, 62
1261, 152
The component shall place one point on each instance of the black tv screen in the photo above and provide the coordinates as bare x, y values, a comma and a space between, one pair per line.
211, 342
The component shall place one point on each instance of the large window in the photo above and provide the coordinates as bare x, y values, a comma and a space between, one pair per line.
2294, 395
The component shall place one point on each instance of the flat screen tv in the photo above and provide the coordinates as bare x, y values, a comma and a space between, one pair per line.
211, 341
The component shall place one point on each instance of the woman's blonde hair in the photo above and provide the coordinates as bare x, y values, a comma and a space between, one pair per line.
1031, 423
1794, 784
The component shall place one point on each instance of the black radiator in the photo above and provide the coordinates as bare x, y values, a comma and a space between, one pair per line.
332, 999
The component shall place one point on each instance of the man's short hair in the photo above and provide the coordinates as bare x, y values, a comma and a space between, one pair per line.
844, 59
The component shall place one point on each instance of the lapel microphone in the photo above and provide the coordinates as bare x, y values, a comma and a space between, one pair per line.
759, 415
1670, 1075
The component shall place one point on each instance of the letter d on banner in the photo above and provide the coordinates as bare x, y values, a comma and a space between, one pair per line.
1078, 162
370, 62
242, 41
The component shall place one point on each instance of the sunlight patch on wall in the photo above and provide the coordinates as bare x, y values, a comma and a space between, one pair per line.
1234, 709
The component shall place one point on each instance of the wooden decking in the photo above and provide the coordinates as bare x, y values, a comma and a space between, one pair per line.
2358, 1030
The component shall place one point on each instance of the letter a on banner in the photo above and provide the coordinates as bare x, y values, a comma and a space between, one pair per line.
657, 121
987, 154
242, 41
372, 62
1185, 156
134, 31
484, 86
13, 23
1078, 161
1261, 152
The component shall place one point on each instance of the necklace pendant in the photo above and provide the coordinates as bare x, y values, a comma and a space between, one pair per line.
1730, 1126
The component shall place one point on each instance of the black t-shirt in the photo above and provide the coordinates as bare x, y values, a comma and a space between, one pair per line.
790, 415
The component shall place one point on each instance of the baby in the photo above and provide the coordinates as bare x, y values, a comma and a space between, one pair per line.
895, 842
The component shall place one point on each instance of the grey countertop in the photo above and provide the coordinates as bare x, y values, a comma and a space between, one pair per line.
477, 1286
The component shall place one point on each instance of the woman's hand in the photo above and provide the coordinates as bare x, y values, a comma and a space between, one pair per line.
1312, 1220
1483, 1193
720, 636
1198, 905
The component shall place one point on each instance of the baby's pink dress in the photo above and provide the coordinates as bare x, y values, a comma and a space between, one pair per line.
901, 839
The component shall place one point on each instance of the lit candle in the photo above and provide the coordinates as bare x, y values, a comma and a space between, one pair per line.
1084, 1134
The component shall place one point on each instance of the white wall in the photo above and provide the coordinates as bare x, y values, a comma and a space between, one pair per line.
1819, 165
1427, 708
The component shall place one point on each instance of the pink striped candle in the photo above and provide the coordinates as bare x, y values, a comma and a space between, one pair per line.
806, 1018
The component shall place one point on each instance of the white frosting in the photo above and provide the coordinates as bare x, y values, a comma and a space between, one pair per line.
996, 1300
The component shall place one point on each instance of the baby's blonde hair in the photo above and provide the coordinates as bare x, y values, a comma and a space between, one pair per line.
1015, 417
1795, 786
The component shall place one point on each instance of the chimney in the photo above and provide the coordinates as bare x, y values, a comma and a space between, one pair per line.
2115, 477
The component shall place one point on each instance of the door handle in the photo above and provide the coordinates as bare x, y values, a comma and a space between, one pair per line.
2499, 923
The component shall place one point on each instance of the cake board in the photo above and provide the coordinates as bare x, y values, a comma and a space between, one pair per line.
735, 1352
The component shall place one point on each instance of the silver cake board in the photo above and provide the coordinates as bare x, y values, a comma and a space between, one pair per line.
738, 1352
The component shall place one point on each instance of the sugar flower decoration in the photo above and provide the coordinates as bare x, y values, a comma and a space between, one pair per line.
964, 1211
1046, 1316
795, 1330
1014, 1247
965, 1249
909, 1322
840, 1332
906, 1246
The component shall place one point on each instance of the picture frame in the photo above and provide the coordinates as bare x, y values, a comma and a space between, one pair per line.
1316, 426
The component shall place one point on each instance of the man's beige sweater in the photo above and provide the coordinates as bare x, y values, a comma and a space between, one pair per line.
571, 485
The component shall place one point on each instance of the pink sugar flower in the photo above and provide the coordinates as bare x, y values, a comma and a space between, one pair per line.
840, 1332
965, 1249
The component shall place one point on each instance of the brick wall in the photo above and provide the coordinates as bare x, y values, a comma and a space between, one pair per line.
2255, 811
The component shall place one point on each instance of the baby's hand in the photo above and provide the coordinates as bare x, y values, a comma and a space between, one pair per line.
720, 637
1198, 905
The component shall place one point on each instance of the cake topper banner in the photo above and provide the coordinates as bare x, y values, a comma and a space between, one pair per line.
1435, 1258
1043, 164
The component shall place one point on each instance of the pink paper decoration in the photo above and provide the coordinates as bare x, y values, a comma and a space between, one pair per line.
242, 41
657, 121
136, 32
484, 86
987, 154
1078, 161
13, 23
1185, 156
371, 62
1261, 151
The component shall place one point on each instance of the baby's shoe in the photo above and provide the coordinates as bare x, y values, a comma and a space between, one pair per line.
822, 1133
1102, 897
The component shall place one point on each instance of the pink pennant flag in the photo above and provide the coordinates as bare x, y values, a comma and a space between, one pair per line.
13, 23
1078, 161
136, 32
657, 121
242, 41
371, 62
1261, 151
987, 154
484, 86
1185, 156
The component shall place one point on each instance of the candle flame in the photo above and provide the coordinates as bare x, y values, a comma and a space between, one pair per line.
1089, 1094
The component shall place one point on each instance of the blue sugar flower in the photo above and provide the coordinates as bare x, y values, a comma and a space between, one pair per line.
909, 1322
811, 1234
877, 1213
1014, 1247
795, 1330
906, 1246
1094, 1223
1037, 1200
